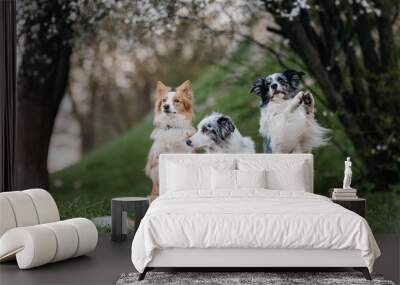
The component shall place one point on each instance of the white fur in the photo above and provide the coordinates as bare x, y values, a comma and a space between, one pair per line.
235, 143
290, 128
169, 136
170, 101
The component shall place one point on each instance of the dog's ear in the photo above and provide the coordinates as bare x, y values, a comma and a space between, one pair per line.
293, 74
185, 89
293, 77
162, 88
259, 87
226, 127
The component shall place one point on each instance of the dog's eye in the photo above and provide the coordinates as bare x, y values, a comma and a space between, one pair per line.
176, 101
280, 80
164, 100
209, 126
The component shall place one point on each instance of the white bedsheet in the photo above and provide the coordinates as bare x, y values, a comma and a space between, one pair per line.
250, 219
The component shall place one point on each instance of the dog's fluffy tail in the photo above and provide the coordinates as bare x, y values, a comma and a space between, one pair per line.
319, 135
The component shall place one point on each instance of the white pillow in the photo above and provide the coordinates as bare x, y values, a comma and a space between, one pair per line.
281, 175
225, 179
183, 178
295, 180
193, 173
251, 179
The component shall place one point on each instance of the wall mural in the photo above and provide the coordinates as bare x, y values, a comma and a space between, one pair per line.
104, 87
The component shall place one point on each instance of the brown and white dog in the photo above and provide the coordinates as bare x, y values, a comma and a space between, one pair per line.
172, 126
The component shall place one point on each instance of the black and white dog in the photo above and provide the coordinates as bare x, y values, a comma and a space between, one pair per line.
287, 122
217, 133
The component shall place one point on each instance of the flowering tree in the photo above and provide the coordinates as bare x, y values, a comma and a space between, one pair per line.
50, 31
112, 77
46, 31
349, 47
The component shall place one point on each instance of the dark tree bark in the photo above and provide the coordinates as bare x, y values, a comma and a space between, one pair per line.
38, 104
352, 54
143, 101
87, 121
41, 85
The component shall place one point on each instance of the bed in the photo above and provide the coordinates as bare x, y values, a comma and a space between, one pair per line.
247, 210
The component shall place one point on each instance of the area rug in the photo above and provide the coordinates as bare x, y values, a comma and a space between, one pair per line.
243, 278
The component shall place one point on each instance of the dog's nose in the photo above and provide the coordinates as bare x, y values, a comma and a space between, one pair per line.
189, 142
274, 86
166, 107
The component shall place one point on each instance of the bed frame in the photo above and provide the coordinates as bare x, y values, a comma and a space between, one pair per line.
248, 258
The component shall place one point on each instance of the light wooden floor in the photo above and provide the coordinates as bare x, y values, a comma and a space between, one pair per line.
110, 260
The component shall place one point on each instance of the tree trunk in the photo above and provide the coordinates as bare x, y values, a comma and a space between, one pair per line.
37, 107
143, 101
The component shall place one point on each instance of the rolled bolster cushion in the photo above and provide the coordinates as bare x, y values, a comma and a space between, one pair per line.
87, 235
7, 218
26, 208
40, 244
33, 246
45, 205
67, 240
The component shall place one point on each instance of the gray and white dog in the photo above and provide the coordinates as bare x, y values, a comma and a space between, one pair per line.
287, 122
217, 133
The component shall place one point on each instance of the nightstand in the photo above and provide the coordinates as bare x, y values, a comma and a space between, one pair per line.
358, 206
119, 212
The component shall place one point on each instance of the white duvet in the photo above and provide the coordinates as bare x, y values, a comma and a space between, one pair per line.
250, 219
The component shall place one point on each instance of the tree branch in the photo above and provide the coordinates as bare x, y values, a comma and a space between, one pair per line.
310, 56
272, 51
387, 42
367, 43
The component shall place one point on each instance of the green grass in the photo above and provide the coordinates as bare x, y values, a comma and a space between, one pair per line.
117, 169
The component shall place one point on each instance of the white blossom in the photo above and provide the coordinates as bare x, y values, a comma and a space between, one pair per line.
73, 16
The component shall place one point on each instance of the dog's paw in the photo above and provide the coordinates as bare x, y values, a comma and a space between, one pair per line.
298, 97
307, 99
